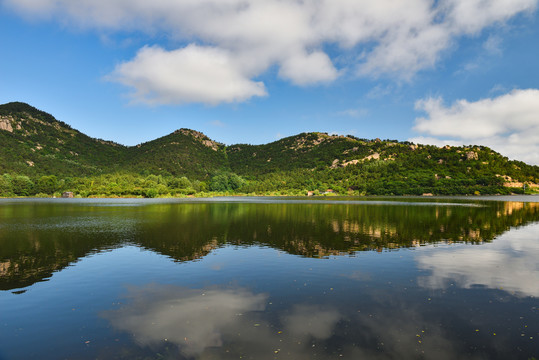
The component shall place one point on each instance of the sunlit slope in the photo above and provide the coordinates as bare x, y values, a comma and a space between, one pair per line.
34, 143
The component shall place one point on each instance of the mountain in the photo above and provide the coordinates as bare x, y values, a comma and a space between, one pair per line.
185, 152
380, 166
33, 143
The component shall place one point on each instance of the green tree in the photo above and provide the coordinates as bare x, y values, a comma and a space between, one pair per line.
5, 185
219, 183
47, 184
226, 181
22, 185
179, 183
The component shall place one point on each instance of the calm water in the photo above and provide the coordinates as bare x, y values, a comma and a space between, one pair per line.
446, 278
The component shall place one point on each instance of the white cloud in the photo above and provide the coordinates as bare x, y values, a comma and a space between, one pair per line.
470, 16
307, 69
191, 74
380, 91
493, 45
498, 89
508, 123
394, 38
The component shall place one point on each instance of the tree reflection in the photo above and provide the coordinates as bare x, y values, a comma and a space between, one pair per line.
37, 239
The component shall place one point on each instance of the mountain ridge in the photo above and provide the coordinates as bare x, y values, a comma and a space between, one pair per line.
34, 143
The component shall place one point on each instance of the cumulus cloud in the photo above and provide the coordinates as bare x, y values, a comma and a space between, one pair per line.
190, 74
306, 69
508, 123
244, 38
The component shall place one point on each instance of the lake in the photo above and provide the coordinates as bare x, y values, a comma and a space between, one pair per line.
270, 278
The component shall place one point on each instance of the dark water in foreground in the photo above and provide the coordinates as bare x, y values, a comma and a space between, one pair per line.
269, 279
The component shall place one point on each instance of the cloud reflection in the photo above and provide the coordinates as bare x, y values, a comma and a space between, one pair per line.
222, 322
231, 323
193, 319
508, 263
311, 320
397, 332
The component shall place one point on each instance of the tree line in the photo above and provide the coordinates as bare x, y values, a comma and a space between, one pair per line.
347, 181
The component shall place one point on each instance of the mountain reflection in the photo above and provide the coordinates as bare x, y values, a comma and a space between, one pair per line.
509, 263
37, 239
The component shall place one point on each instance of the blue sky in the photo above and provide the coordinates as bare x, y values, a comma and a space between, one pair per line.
253, 71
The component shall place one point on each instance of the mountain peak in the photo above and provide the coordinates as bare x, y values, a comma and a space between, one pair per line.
190, 132
16, 111
201, 137
18, 107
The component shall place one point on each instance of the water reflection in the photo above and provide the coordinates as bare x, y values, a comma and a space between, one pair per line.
191, 319
311, 321
402, 332
509, 263
38, 239
231, 323
227, 321
462, 285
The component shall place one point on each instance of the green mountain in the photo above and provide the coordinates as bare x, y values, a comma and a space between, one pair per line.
183, 153
34, 144
380, 166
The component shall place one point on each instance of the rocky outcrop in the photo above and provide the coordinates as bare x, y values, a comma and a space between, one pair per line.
350, 150
374, 156
336, 163
513, 183
308, 143
351, 162
203, 139
5, 123
472, 155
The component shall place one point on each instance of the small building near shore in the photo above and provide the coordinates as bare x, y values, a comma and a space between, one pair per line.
67, 194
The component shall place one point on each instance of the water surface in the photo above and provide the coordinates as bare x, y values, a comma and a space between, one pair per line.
267, 278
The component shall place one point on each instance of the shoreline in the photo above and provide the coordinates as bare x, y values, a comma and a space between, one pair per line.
366, 198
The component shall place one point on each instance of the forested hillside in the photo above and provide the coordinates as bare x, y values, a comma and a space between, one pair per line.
33, 143
41, 155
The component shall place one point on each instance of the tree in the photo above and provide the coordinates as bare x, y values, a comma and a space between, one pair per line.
22, 185
5, 185
226, 181
47, 184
